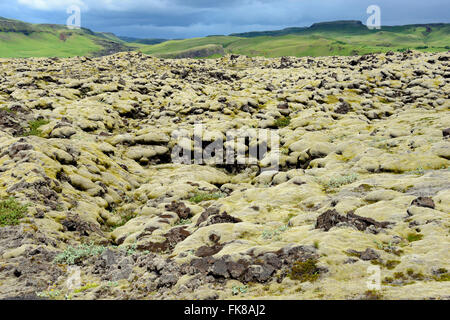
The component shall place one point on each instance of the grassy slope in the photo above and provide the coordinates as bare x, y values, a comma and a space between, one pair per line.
319, 41
176, 46
14, 45
21, 40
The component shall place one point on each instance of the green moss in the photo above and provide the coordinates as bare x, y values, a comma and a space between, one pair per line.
289, 217
414, 237
183, 222
390, 264
124, 220
364, 188
11, 212
34, 126
86, 287
7, 110
283, 122
442, 277
305, 271
400, 275
385, 101
388, 280
332, 99
316, 244
200, 197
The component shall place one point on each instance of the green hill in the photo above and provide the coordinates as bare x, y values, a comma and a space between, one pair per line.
327, 38
20, 39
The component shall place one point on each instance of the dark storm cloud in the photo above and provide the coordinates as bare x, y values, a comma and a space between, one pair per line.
189, 18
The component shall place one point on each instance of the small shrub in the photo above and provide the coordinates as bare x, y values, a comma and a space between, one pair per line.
316, 244
130, 250
275, 234
388, 280
400, 275
419, 171
11, 212
74, 255
200, 197
391, 264
305, 271
34, 127
183, 222
414, 237
239, 289
283, 122
113, 284
340, 181
50, 294
388, 247
442, 275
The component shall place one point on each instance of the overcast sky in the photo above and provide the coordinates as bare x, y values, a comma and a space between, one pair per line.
195, 18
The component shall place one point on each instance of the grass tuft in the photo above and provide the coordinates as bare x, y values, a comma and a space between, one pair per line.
414, 237
283, 122
305, 271
200, 197
34, 128
11, 212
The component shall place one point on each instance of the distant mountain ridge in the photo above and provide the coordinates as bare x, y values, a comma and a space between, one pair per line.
141, 40
345, 37
339, 25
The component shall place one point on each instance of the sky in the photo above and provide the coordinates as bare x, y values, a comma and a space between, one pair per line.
175, 19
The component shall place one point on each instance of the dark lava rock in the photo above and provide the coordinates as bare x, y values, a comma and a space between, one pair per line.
237, 269
260, 273
369, 254
213, 216
180, 209
220, 269
9, 120
446, 132
258, 268
223, 218
73, 223
331, 218
343, 108
206, 251
173, 237
424, 202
